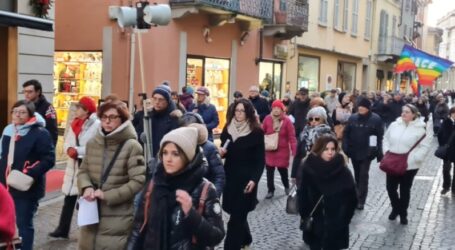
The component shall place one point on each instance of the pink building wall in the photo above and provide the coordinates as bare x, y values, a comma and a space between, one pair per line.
77, 30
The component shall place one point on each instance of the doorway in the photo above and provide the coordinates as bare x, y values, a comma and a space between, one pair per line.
270, 78
3, 77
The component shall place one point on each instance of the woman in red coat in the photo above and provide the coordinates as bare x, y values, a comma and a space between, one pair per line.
8, 218
279, 158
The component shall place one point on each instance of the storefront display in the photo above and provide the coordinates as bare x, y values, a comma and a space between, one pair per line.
76, 74
308, 73
270, 78
214, 74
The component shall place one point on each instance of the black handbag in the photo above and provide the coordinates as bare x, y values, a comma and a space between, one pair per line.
307, 224
441, 152
292, 203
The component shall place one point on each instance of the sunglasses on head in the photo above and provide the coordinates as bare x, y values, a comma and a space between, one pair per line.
316, 119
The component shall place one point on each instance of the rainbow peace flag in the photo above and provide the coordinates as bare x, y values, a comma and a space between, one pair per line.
428, 67
415, 87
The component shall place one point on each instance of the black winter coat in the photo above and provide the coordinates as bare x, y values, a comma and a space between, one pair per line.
35, 147
394, 109
299, 110
245, 161
179, 230
357, 134
262, 106
163, 123
446, 136
47, 111
333, 215
441, 112
215, 171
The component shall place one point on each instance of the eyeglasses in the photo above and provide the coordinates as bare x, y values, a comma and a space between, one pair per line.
316, 119
110, 117
19, 112
239, 110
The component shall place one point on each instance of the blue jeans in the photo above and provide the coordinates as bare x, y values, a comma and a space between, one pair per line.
25, 210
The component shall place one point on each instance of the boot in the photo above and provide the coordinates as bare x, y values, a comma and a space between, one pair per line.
393, 215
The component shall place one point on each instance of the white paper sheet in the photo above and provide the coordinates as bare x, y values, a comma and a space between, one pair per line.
88, 212
291, 117
373, 141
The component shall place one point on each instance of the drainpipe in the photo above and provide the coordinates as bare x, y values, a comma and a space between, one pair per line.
261, 46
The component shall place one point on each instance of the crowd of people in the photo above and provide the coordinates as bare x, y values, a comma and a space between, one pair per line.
173, 197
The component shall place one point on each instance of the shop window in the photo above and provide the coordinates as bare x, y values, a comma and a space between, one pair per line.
308, 73
346, 76
76, 74
270, 78
212, 73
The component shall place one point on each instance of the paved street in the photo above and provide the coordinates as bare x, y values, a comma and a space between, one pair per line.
431, 218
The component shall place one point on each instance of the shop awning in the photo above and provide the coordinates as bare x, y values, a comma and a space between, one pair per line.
18, 20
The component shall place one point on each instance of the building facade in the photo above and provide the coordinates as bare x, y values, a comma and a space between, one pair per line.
335, 49
447, 50
26, 52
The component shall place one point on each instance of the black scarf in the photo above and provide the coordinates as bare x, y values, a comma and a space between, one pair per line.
329, 176
163, 200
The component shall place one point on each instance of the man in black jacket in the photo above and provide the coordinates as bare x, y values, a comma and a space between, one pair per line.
299, 110
362, 142
33, 92
260, 104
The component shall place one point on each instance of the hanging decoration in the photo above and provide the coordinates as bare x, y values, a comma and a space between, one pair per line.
40, 8
427, 66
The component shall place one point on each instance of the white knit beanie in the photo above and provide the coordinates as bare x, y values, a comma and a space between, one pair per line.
185, 137
317, 112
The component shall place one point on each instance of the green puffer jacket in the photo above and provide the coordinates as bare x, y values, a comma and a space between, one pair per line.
125, 179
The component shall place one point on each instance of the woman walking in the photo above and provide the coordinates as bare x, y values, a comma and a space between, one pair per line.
445, 136
26, 146
316, 127
400, 137
243, 147
112, 172
181, 209
277, 121
82, 129
327, 194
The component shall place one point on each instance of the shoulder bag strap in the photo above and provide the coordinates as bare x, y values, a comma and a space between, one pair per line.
417, 143
148, 198
316, 206
111, 164
10, 159
202, 199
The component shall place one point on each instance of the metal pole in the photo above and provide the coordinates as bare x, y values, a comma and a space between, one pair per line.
132, 61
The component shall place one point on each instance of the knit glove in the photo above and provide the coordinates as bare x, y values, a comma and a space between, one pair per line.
72, 153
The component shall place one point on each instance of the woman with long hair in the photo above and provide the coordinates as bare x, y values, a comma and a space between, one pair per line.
327, 194
399, 138
242, 145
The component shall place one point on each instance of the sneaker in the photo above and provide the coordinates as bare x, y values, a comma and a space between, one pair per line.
286, 191
58, 234
269, 195
360, 206
444, 191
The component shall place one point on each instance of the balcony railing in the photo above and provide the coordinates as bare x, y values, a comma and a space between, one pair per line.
261, 9
292, 13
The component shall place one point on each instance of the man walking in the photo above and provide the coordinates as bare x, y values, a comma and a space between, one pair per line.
362, 142
33, 92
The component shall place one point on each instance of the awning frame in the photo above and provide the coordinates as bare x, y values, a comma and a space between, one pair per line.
18, 20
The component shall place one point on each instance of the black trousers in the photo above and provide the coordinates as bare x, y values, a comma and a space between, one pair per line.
361, 174
400, 202
66, 216
446, 177
271, 174
238, 232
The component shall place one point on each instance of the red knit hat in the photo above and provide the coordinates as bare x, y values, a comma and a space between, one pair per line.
279, 104
8, 218
88, 104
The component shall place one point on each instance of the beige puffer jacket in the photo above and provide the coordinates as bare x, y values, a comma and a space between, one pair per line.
125, 179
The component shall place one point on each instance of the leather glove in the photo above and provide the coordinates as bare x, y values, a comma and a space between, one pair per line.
72, 153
